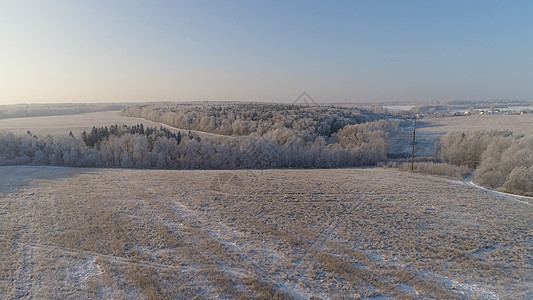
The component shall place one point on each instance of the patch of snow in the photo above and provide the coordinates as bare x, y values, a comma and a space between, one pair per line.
81, 272
468, 289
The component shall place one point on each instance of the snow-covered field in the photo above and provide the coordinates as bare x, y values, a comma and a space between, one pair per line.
429, 130
62, 125
371, 233
514, 123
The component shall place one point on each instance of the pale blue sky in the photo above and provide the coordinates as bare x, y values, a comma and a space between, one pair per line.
337, 51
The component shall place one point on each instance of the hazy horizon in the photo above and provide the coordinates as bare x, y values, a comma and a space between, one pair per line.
360, 52
393, 103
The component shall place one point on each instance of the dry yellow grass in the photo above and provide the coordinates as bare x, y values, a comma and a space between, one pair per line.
437, 169
144, 234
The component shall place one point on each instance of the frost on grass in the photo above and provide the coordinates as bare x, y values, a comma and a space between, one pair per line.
286, 233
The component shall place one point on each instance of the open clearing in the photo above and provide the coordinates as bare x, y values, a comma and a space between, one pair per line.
371, 233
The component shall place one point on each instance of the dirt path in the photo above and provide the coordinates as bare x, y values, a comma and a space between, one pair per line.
209, 134
527, 200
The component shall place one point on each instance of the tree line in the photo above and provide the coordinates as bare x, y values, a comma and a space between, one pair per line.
257, 119
139, 147
97, 135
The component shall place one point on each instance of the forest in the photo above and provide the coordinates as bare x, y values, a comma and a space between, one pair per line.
255, 119
250, 135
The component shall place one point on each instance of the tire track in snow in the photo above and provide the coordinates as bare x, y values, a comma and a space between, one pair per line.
211, 231
468, 181
310, 255
181, 129
109, 257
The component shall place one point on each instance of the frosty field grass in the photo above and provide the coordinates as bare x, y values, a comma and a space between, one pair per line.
135, 234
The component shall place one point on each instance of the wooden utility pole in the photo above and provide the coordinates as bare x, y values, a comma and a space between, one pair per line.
413, 147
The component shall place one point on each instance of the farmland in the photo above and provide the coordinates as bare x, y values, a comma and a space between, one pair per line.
266, 150
62, 125
110, 233
287, 233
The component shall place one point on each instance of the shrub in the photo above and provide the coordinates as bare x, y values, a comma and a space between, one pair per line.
520, 181
502, 160
467, 148
439, 169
